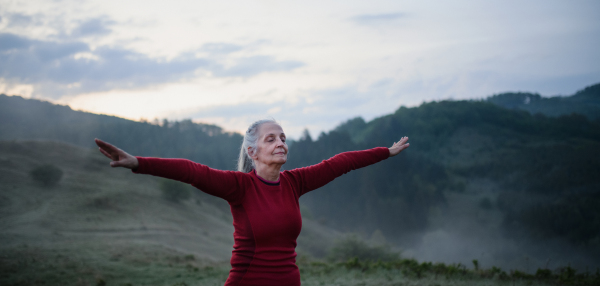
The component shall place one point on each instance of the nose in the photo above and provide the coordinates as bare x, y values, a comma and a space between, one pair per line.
279, 142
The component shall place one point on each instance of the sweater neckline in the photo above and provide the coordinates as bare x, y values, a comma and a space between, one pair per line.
270, 183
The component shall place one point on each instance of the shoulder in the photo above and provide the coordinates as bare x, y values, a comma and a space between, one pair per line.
245, 177
293, 176
287, 174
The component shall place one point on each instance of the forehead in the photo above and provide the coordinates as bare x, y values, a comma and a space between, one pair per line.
270, 128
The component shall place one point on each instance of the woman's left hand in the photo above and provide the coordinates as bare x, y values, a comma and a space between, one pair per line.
399, 146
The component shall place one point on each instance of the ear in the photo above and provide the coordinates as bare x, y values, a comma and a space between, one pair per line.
251, 153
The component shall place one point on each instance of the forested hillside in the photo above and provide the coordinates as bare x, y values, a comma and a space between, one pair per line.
585, 102
546, 168
540, 173
473, 167
27, 119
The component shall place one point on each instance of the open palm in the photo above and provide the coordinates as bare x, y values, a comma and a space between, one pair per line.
399, 146
119, 157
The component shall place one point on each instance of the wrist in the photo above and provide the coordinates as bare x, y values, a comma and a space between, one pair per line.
136, 163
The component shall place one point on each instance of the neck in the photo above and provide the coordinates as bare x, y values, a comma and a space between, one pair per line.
268, 172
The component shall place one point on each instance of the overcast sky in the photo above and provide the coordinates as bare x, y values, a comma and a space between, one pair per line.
308, 64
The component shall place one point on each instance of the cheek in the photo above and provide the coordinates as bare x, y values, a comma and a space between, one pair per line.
258, 151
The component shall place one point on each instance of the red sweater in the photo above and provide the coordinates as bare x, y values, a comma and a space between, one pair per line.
266, 215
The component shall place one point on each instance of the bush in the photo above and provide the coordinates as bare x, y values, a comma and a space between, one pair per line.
174, 191
47, 175
353, 247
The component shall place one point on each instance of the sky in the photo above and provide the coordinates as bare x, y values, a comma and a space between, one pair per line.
308, 64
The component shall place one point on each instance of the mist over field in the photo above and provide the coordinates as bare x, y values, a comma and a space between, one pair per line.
483, 180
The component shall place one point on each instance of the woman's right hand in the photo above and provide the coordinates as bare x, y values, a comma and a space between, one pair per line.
119, 157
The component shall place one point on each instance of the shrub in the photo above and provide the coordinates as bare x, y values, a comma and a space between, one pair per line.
353, 247
174, 191
543, 274
47, 175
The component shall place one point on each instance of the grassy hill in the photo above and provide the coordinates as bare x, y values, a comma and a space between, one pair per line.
110, 218
94, 203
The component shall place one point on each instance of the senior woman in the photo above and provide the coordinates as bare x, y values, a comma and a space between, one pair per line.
263, 200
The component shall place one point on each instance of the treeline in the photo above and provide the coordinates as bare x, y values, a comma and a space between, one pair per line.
28, 119
585, 102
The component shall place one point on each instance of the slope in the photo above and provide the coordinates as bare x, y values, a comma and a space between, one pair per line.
95, 206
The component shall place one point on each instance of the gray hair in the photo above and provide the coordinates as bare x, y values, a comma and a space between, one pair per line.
245, 162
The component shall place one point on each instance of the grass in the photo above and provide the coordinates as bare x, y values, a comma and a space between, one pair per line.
128, 264
411, 272
106, 265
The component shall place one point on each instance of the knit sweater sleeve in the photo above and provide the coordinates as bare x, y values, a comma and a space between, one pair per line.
313, 177
223, 184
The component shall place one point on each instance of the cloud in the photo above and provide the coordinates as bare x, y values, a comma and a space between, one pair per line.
321, 110
93, 27
18, 20
71, 67
322, 105
371, 19
250, 66
220, 48
34, 61
294, 117
10, 41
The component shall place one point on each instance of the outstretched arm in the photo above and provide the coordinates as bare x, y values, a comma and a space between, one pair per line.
119, 157
316, 176
223, 184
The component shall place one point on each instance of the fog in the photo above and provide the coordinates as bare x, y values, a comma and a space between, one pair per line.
463, 231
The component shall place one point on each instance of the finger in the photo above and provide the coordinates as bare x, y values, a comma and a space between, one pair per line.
105, 153
105, 145
99, 142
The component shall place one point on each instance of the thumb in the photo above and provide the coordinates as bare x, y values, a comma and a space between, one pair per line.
115, 164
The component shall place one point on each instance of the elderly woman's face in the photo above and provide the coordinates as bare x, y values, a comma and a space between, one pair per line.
271, 147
